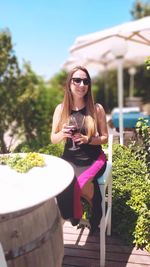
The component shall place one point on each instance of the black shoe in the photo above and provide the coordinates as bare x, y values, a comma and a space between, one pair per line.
74, 221
94, 230
93, 227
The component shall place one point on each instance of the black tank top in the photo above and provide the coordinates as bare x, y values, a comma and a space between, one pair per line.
86, 154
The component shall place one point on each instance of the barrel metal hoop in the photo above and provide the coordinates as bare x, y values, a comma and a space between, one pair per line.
9, 216
37, 243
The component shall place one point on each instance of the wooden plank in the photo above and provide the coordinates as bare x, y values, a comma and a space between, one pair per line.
112, 242
121, 257
81, 263
109, 248
73, 232
82, 250
90, 262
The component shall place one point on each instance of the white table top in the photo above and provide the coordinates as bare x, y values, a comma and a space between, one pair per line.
20, 191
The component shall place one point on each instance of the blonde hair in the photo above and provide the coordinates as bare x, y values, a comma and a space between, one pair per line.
67, 105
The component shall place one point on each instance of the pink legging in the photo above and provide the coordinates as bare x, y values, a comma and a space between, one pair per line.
82, 179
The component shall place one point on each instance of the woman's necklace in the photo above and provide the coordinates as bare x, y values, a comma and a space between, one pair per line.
77, 107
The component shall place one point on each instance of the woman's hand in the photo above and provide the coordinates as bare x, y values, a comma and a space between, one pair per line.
80, 138
66, 131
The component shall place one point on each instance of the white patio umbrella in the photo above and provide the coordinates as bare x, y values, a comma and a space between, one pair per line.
104, 46
93, 66
97, 46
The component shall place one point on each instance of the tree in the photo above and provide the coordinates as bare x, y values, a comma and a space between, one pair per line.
27, 102
56, 87
140, 9
34, 110
9, 72
37, 102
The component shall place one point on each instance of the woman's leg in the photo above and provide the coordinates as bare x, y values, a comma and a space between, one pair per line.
96, 201
65, 202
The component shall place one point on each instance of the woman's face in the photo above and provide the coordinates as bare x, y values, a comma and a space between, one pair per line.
79, 84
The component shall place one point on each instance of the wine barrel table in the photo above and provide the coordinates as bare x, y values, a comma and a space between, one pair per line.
30, 222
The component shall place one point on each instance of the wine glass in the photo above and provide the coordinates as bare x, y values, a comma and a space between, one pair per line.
73, 127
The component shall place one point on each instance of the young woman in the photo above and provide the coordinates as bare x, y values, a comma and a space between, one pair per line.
81, 124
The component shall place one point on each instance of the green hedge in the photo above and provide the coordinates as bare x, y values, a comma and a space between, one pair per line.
51, 149
34, 146
131, 198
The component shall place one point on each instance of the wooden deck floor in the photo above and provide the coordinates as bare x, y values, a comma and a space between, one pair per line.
82, 250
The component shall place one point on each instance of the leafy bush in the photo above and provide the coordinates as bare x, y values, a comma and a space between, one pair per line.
147, 63
50, 149
131, 204
28, 146
141, 145
34, 106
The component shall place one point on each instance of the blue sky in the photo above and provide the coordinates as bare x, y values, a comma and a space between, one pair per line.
44, 30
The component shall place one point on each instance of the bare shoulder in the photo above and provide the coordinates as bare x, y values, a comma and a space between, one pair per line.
99, 109
58, 108
57, 113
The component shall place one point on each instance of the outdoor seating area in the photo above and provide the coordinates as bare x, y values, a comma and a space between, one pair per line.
102, 249
82, 250
75, 134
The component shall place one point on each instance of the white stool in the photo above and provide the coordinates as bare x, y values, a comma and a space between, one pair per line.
105, 185
105, 182
2, 257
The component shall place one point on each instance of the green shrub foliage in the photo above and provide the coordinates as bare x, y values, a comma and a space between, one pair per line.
147, 63
141, 145
131, 201
50, 149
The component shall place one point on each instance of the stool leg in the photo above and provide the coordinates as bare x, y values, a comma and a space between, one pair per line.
109, 207
102, 230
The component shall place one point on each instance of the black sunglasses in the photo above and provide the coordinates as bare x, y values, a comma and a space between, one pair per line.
77, 81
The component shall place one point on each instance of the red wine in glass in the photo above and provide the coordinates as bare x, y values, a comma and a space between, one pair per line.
73, 129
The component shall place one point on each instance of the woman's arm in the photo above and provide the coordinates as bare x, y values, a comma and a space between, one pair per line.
102, 137
58, 136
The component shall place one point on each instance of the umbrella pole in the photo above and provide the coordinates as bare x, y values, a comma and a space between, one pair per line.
120, 96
